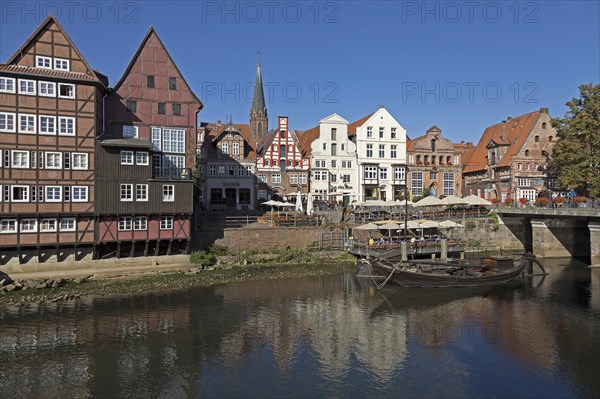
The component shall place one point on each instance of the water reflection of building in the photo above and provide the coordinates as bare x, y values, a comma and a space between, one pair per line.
336, 329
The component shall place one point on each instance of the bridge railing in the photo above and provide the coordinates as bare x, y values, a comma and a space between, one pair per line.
570, 203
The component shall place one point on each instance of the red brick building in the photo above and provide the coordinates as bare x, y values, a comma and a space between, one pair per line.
146, 157
50, 115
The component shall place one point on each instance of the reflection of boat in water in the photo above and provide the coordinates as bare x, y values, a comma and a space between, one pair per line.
450, 273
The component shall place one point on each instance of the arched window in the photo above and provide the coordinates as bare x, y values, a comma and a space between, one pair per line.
537, 139
418, 158
544, 125
333, 133
550, 138
526, 153
526, 166
433, 145
519, 166
260, 129
535, 167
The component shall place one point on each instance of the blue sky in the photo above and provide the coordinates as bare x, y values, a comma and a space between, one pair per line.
459, 65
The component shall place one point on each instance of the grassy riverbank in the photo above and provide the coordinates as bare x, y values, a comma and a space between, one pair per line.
229, 269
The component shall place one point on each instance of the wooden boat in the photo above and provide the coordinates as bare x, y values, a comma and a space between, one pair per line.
452, 273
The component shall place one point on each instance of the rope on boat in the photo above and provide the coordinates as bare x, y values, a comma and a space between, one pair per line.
379, 286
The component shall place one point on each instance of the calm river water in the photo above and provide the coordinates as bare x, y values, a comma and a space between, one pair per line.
330, 336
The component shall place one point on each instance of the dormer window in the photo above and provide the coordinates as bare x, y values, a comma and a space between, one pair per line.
61, 64
43, 62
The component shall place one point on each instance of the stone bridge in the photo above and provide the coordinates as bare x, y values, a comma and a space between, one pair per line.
560, 232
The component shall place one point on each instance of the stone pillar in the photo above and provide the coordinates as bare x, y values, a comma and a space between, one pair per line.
444, 249
594, 243
403, 250
544, 242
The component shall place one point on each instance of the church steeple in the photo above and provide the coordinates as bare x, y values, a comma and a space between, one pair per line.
258, 112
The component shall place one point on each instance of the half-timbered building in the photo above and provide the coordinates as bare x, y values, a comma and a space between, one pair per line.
50, 115
145, 159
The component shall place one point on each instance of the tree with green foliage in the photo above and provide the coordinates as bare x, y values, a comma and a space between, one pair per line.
576, 154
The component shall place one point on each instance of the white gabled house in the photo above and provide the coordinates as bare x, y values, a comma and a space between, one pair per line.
380, 154
332, 159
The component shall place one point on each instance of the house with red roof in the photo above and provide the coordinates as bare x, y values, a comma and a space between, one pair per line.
511, 158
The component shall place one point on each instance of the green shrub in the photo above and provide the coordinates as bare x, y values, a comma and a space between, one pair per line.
218, 250
203, 258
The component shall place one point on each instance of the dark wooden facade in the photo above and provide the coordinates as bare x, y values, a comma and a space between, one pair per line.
50, 115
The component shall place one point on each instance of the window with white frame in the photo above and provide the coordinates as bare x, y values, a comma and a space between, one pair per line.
394, 151
241, 170
448, 185
26, 123
168, 193
53, 193
126, 192
166, 223
319, 163
521, 182
130, 132
47, 89
125, 223
369, 150
7, 85
276, 178
43, 62
28, 226
8, 226
261, 194
320, 175
140, 223
20, 194
345, 178
369, 132
53, 160
346, 164
221, 170
381, 130
80, 161
383, 174
174, 140
141, 192
126, 157
173, 165
20, 159
141, 158
66, 90
47, 124
61, 64
225, 148
417, 183
236, 148
80, 194
399, 173
393, 133
371, 172
303, 179
156, 139
294, 179
7, 122
48, 225
333, 179
67, 224
27, 87
212, 170
381, 150
66, 125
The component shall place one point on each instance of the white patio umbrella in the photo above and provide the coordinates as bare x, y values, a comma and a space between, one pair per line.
403, 203
309, 204
449, 224
429, 201
428, 224
299, 202
389, 227
271, 203
475, 200
453, 200
368, 226
412, 224
286, 205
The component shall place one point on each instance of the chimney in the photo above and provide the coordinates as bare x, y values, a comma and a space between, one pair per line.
382, 106
508, 118
543, 110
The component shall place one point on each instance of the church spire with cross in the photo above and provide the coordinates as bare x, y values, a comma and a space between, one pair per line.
258, 112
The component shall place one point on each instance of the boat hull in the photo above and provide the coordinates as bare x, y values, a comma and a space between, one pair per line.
409, 278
